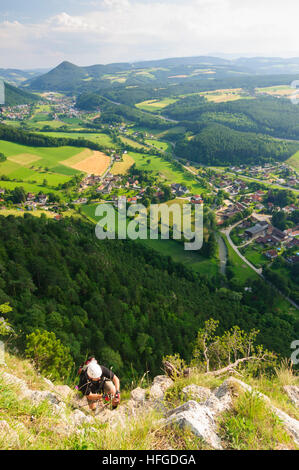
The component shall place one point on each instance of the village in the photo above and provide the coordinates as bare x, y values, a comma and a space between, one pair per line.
274, 173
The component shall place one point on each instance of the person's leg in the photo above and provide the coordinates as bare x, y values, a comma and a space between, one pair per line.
92, 403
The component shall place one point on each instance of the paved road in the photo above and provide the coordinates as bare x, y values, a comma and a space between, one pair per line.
226, 232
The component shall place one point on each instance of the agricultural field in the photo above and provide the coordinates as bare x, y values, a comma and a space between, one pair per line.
97, 137
89, 161
155, 105
280, 91
221, 96
159, 144
36, 166
121, 168
132, 143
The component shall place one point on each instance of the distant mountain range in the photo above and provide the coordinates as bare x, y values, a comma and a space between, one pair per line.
18, 77
68, 77
155, 74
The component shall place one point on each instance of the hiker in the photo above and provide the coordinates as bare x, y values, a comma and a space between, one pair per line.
96, 381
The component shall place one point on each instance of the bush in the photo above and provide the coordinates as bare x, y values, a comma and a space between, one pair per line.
49, 355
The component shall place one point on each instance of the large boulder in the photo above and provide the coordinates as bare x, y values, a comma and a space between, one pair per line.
138, 395
221, 399
198, 419
37, 397
293, 393
195, 392
160, 384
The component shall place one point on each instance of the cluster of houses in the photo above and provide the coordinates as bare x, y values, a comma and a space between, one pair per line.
33, 200
271, 173
229, 211
88, 181
15, 113
266, 234
63, 105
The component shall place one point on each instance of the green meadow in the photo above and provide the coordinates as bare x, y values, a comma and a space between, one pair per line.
33, 165
97, 137
172, 248
293, 161
155, 105
166, 171
159, 144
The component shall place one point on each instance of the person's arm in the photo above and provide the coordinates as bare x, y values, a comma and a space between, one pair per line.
116, 382
94, 396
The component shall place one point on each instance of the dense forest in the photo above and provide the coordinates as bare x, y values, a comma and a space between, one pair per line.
219, 145
274, 116
118, 300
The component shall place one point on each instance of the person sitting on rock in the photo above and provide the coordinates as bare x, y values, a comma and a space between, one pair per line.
96, 381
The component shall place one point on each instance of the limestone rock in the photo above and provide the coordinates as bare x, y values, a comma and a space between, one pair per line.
138, 395
38, 397
160, 384
198, 419
78, 418
293, 393
20, 384
195, 392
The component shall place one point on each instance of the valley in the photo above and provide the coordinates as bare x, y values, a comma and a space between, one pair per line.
154, 135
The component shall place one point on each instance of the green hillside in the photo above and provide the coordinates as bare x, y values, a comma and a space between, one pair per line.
15, 96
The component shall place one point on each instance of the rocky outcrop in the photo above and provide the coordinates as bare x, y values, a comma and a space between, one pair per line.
160, 384
195, 392
199, 414
293, 393
290, 424
198, 419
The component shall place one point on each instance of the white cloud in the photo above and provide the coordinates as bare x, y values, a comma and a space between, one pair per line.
122, 30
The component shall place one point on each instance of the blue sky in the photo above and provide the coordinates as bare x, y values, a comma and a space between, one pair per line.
42, 33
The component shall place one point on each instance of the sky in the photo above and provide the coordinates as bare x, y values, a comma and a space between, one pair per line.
43, 33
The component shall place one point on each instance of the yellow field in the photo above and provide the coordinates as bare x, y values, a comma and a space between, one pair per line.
77, 158
24, 158
220, 96
89, 161
280, 90
121, 168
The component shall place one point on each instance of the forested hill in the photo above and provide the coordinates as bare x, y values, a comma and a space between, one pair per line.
15, 96
216, 144
118, 300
